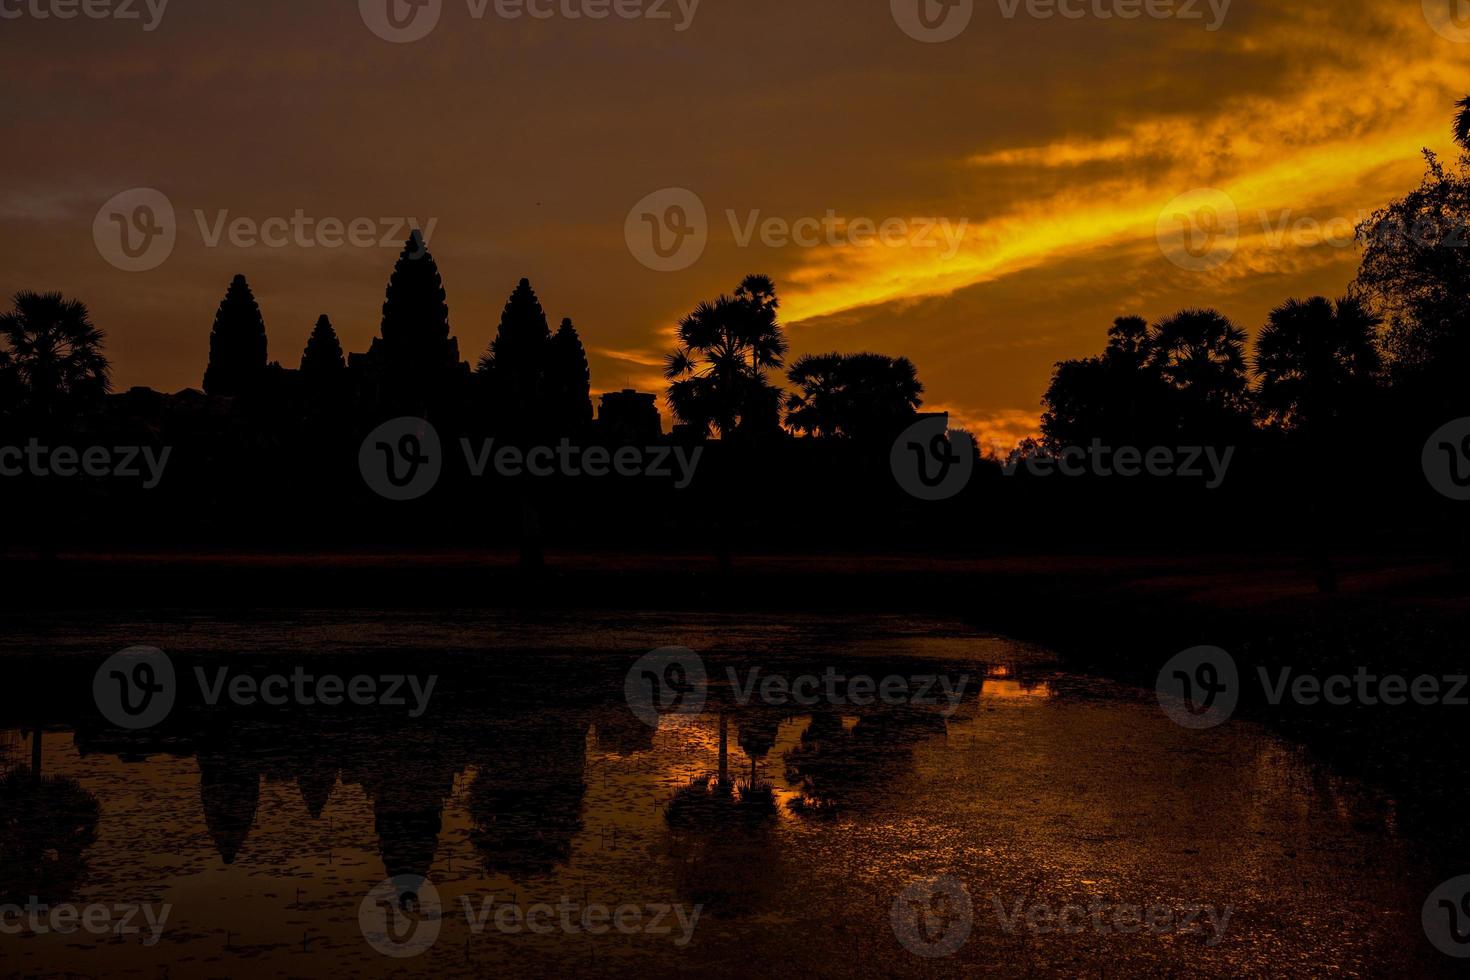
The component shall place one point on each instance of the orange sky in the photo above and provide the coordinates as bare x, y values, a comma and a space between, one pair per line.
1052, 148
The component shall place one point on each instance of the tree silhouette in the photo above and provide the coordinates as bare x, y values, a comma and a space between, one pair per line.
237, 344
52, 365
854, 395
322, 359
1318, 362
816, 408
1415, 274
1119, 398
46, 825
718, 374
1201, 356
1462, 123
568, 382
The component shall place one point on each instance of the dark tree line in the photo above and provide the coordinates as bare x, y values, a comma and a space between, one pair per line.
1332, 399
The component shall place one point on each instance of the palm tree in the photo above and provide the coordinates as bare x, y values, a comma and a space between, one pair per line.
1462, 123
53, 357
1318, 362
881, 394
1201, 355
717, 374
853, 395
814, 409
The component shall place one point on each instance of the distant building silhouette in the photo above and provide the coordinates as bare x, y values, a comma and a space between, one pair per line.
629, 417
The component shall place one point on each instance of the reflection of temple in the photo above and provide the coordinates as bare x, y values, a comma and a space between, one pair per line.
316, 782
617, 730
408, 806
229, 789
526, 798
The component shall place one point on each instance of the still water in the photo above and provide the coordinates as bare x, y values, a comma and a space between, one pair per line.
989, 813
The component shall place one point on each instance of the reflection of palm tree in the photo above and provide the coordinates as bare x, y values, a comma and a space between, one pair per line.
839, 767
720, 839
46, 823
758, 732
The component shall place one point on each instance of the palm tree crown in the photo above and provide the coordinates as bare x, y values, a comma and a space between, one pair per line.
718, 373
52, 355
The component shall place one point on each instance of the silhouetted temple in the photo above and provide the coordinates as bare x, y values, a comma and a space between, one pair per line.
629, 417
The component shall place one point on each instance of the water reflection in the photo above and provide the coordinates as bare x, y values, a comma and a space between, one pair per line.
793, 826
